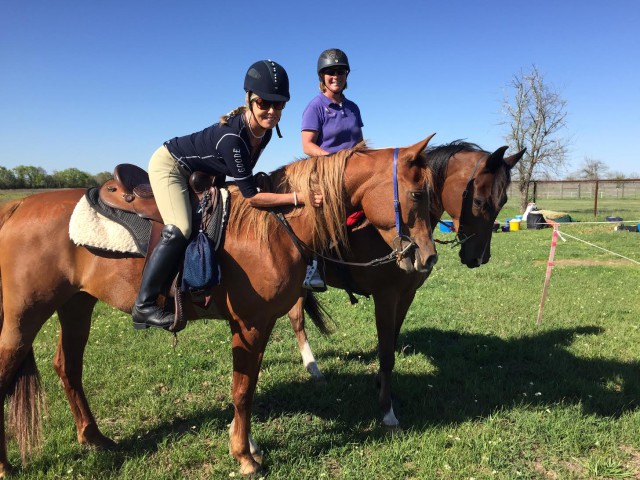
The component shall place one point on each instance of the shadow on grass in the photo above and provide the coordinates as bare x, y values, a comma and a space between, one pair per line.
475, 375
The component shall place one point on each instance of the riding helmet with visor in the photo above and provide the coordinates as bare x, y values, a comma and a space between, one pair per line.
333, 58
268, 80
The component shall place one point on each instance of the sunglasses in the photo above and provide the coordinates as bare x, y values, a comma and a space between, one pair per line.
266, 104
334, 72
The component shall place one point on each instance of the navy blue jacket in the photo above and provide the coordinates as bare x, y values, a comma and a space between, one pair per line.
220, 150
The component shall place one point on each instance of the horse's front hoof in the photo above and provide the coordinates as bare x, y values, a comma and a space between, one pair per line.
392, 428
250, 468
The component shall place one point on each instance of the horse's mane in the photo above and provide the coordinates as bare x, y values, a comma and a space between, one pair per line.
438, 158
323, 175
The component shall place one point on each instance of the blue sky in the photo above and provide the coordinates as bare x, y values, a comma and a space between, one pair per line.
88, 85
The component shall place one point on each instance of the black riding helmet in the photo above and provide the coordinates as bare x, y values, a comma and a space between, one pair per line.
331, 58
268, 80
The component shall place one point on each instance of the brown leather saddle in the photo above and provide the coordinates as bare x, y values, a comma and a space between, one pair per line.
130, 190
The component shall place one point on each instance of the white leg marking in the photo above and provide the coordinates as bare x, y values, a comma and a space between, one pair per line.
309, 362
390, 420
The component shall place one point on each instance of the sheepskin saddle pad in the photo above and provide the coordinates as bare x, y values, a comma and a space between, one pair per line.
94, 224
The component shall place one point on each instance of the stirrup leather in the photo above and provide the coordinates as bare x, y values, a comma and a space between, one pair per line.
313, 280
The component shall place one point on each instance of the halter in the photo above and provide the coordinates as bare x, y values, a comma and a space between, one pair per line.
400, 252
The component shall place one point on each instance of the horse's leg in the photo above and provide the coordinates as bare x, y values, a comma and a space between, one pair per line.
385, 310
392, 324
296, 317
248, 342
75, 322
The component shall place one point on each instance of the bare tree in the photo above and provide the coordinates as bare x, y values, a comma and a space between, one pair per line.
593, 169
536, 116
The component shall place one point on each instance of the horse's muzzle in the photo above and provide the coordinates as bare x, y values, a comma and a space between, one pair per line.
413, 263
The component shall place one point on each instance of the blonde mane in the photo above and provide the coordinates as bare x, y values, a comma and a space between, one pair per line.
323, 175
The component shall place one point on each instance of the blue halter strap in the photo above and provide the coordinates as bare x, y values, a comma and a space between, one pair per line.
396, 201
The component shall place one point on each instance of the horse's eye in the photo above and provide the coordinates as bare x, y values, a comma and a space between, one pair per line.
417, 195
477, 202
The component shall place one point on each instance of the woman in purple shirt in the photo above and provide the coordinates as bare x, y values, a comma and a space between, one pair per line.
331, 122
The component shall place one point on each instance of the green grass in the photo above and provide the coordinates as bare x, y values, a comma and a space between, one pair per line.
481, 391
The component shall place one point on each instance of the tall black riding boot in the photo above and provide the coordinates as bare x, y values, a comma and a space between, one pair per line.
158, 272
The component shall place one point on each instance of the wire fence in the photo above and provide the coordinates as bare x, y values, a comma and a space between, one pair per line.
597, 198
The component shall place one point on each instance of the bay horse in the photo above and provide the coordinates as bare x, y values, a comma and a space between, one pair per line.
42, 272
470, 185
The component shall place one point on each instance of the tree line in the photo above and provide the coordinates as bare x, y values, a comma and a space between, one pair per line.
30, 177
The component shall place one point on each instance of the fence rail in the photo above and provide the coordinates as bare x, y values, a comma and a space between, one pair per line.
599, 192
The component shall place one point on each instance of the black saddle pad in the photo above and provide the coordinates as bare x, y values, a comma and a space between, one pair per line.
140, 228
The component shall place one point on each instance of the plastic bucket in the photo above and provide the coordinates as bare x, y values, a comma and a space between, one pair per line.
446, 226
514, 225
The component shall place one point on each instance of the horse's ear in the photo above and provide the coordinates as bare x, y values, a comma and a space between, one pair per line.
413, 152
515, 158
496, 158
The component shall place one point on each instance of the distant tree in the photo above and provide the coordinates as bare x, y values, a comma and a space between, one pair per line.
593, 169
102, 177
30, 177
535, 114
72, 178
7, 178
616, 175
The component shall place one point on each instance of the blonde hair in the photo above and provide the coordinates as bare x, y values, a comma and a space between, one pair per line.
224, 119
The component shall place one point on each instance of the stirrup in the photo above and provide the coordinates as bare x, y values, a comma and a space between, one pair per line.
313, 280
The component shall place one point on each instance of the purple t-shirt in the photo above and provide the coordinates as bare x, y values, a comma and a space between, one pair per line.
338, 126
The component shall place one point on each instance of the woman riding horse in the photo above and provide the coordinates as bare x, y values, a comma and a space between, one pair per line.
231, 147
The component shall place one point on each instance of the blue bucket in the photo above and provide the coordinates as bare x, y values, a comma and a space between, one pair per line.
446, 226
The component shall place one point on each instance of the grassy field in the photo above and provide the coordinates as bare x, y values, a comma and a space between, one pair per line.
481, 391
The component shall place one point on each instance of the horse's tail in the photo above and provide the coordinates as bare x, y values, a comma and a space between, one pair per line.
25, 394
318, 314
26, 407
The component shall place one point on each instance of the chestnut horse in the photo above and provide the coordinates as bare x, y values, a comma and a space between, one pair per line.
470, 185
42, 272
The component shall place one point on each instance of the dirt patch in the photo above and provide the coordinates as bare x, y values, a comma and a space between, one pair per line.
634, 460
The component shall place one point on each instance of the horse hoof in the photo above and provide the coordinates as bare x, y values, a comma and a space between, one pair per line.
93, 437
392, 428
250, 469
316, 375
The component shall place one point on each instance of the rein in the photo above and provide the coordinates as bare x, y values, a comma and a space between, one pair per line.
302, 246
